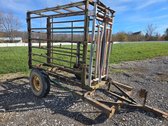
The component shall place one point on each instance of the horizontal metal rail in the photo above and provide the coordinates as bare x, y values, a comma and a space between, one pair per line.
68, 27
58, 7
68, 21
52, 40
40, 55
70, 31
65, 48
53, 65
57, 28
55, 50
38, 61
61, 15
66, 69
61, 54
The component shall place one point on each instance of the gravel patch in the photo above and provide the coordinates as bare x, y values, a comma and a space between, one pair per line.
19, 107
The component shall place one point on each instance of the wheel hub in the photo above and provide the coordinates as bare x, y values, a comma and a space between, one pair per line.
36, 83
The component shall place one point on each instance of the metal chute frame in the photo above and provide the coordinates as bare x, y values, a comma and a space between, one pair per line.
95, 39
83, 50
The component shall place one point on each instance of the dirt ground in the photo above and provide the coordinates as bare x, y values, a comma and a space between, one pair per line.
19, 107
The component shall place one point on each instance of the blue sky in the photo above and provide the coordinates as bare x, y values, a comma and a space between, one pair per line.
131, 15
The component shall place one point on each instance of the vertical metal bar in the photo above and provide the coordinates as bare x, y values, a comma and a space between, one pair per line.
29, 40
52, 37
48, 40
100, 51
105, 51
78, 54
97, 52
85, 44
103, 47
109, 49
92, 44
71, 43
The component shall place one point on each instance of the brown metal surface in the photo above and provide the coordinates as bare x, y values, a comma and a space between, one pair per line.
48, 42
29, 40
85, 45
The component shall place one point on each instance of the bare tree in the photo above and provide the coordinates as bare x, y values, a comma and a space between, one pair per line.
9, 24
150, 31
121, 36
0, 21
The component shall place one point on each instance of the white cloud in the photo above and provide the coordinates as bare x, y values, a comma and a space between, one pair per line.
16, 5
146, 19
146, 3
118, 5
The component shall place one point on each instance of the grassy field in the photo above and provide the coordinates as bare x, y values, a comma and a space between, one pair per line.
14, 59
138, 51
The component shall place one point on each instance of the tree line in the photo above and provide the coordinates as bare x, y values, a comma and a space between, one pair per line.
10, 25
150, 34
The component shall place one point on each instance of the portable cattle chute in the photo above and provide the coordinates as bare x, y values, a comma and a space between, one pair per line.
75, 42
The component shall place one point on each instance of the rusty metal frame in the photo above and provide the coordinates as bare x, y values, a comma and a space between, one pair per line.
98, 16
93, 70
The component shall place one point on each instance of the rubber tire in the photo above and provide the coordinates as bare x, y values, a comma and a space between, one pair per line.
48, 82
44, 82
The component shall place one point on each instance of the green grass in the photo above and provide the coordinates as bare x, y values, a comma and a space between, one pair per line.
14, 59
137, 51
